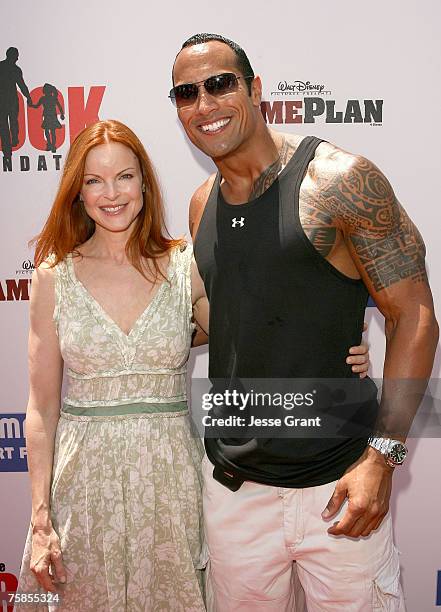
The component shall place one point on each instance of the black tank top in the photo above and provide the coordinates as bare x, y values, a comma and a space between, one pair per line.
278, 310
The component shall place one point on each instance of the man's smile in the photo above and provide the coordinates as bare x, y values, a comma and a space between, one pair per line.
215, 126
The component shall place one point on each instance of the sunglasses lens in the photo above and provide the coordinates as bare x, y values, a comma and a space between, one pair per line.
184, 94
221, 84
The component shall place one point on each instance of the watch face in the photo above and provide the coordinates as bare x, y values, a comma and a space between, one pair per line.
397, 453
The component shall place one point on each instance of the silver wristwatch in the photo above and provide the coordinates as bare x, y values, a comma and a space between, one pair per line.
393, 451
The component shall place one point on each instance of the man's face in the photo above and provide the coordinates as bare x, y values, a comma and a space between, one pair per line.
218, 126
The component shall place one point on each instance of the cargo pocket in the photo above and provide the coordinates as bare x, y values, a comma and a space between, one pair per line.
387, 594
201, 563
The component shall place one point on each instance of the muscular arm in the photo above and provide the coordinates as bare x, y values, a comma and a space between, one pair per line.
388, 253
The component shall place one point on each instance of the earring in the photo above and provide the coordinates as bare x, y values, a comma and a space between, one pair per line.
80, 198
143, 188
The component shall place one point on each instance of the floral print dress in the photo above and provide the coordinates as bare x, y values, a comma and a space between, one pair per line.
126, 483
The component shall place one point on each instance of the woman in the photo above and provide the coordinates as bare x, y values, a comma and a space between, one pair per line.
116, 506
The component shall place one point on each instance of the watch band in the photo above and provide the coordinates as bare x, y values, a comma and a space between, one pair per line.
380, 444
385, 446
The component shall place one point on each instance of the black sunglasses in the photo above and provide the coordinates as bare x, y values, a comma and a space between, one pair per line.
218, 85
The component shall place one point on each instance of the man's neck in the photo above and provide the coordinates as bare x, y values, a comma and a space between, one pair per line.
248, 172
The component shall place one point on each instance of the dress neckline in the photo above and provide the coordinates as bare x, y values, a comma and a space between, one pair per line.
139, 324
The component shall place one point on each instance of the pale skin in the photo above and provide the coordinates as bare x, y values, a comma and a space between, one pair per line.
350, 214
112, 178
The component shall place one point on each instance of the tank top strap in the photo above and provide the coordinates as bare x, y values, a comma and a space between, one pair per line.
294, 170
290, 180
207, 231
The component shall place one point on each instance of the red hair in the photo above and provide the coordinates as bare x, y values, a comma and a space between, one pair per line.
68, 225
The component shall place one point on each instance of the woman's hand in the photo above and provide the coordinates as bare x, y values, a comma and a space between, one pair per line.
46, 559
359, 358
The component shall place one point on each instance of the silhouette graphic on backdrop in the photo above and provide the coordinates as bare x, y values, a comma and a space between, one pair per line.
10, 76
49, 101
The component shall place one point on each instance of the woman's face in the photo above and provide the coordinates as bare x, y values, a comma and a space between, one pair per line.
112, 187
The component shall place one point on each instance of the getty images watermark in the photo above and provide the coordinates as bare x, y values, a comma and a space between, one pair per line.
316, 408
244, 401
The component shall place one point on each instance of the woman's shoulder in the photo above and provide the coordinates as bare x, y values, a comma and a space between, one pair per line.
52, 270
45, 272
43, 282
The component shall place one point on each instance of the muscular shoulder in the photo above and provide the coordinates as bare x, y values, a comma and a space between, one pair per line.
332, 163
357, 198
198, 202
351, 189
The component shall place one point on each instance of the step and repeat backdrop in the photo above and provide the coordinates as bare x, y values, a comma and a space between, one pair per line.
364, 76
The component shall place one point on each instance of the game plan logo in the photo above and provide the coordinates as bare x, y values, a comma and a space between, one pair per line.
44, 116
310, 102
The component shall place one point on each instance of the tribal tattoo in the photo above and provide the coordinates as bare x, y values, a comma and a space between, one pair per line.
320, 229
398, 255
287, 150
270, 173
266, 179
361, 203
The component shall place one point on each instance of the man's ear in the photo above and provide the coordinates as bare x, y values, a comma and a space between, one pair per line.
256, 91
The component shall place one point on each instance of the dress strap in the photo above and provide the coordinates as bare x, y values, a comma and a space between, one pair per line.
183, 258
61, 281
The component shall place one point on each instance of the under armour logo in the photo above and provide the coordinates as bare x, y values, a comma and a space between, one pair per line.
240, 222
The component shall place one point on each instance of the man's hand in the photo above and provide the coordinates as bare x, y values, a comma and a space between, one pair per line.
367, 484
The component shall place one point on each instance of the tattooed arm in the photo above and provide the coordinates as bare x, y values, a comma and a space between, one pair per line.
388, 252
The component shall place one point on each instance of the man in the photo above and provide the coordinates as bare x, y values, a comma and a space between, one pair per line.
290, 236
10, 76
